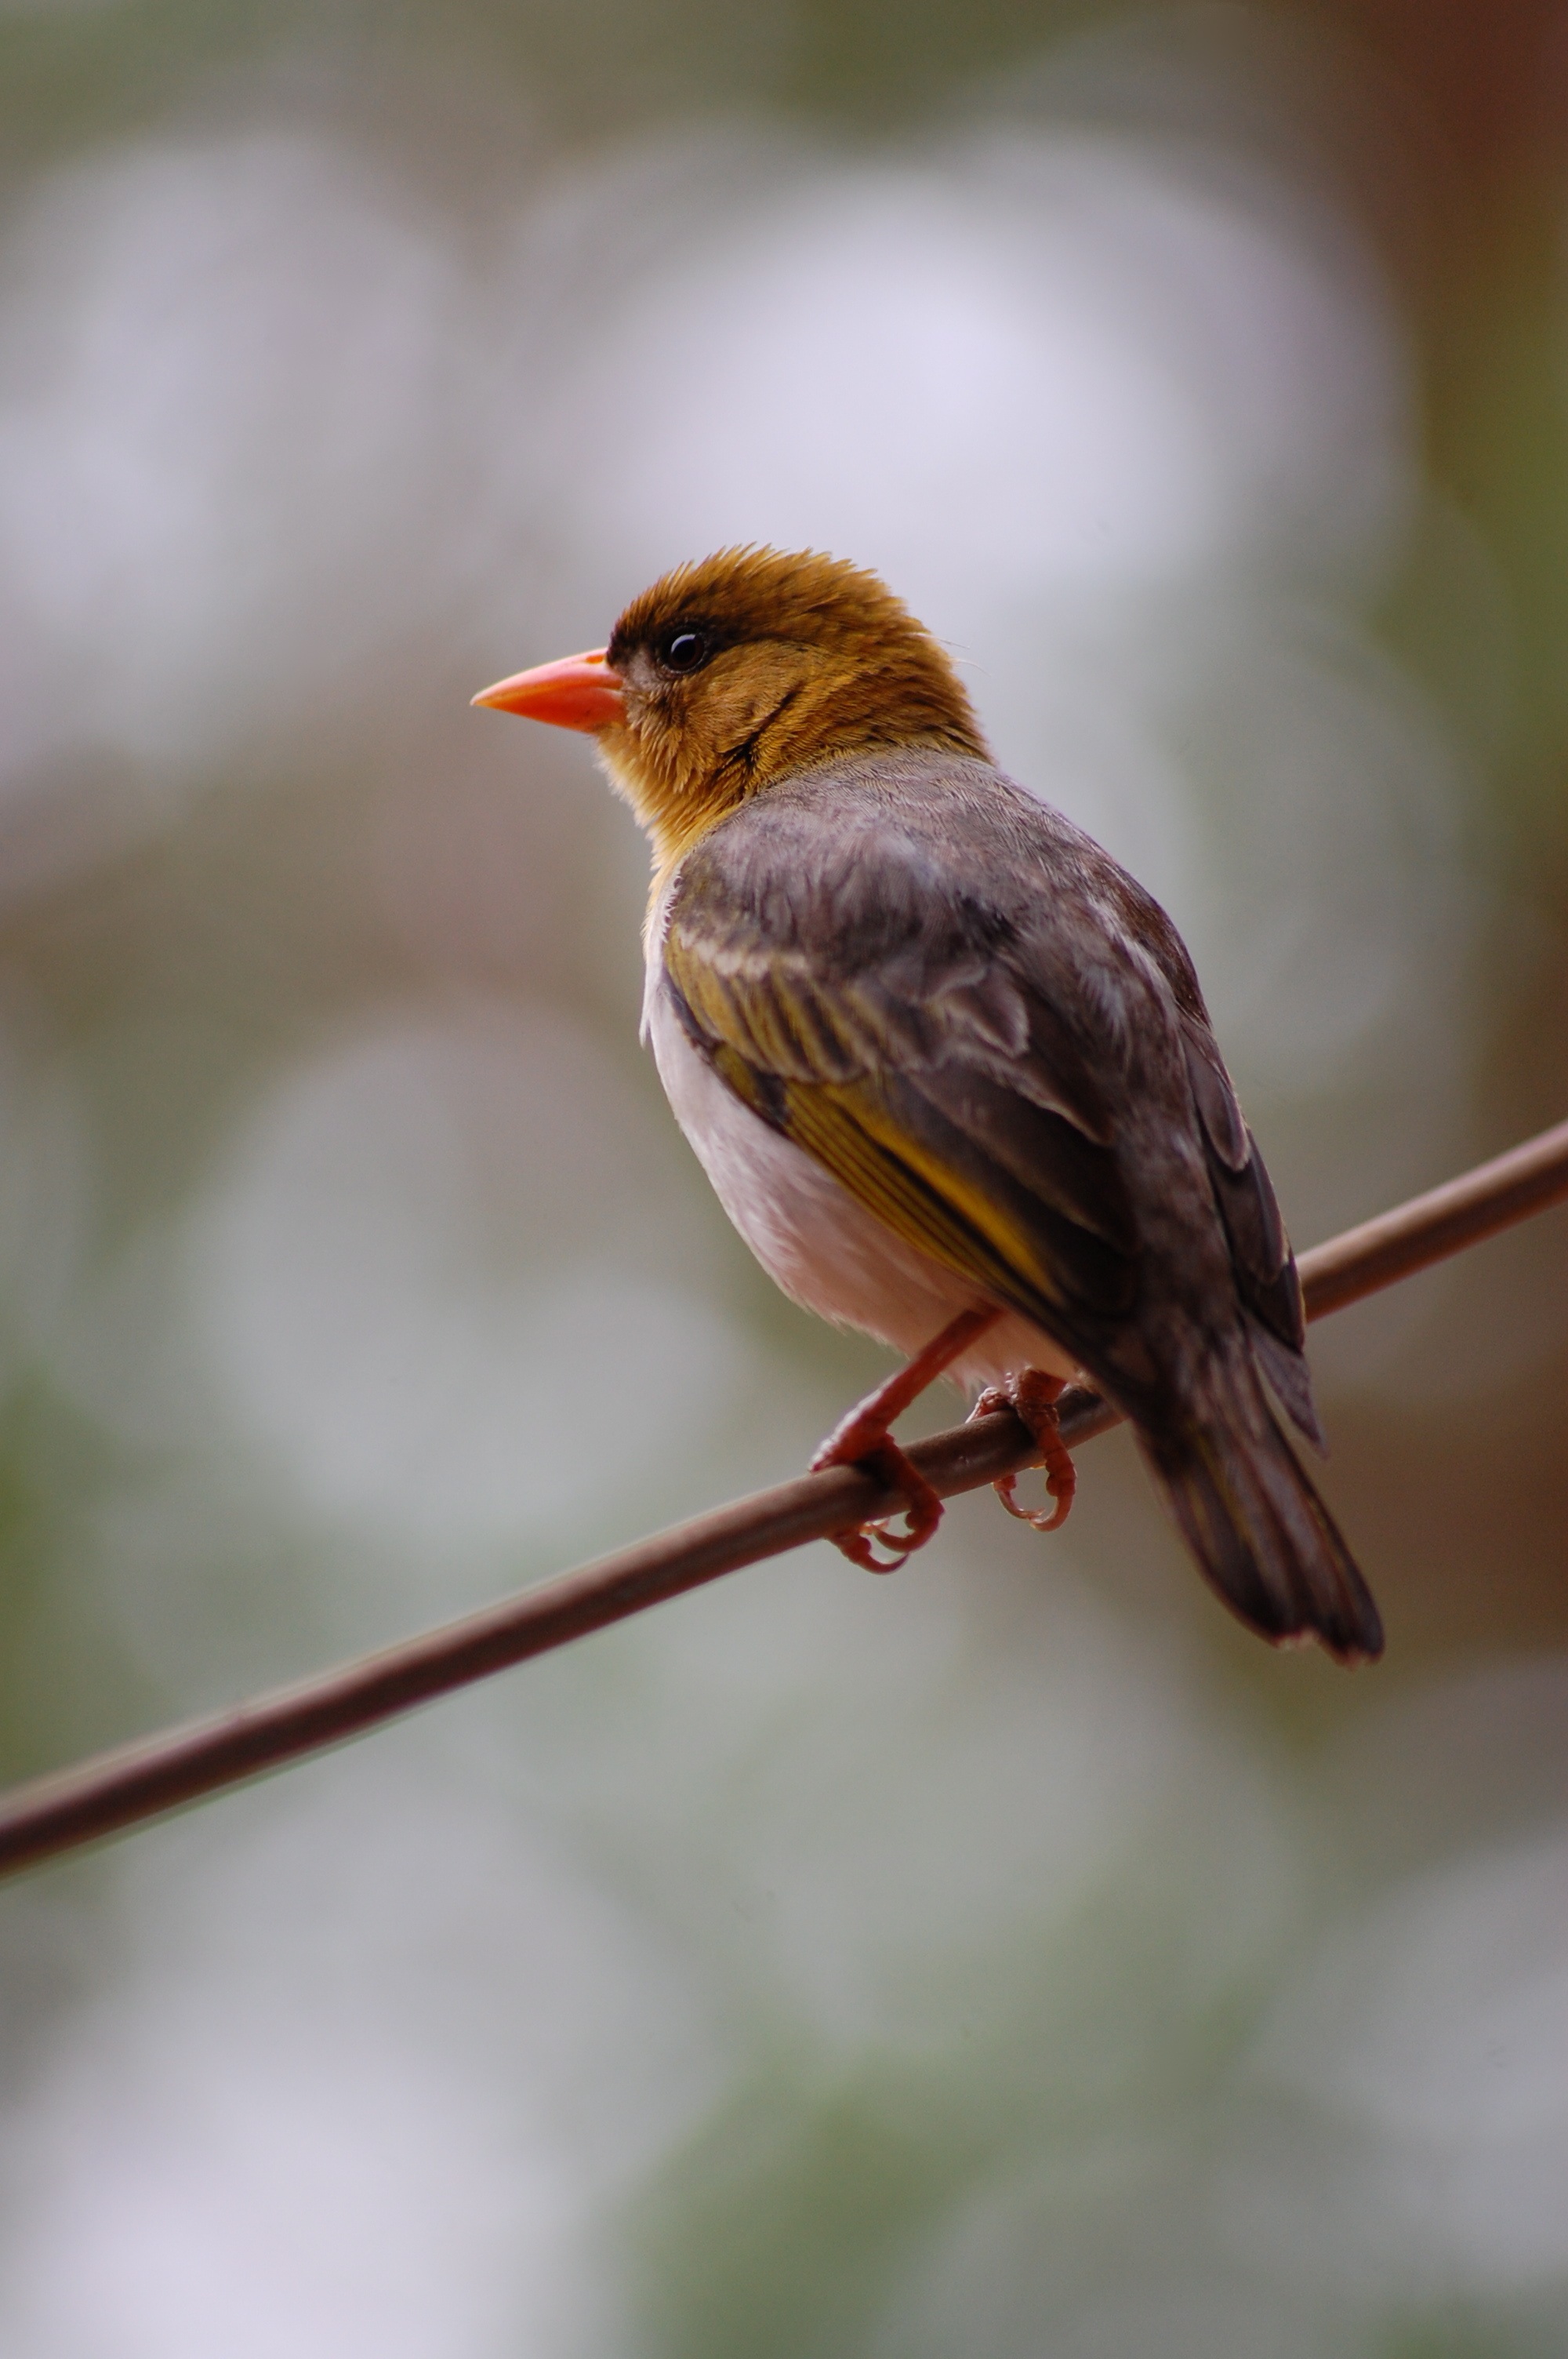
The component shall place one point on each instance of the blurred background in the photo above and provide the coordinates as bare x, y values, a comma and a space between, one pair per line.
1012, 1959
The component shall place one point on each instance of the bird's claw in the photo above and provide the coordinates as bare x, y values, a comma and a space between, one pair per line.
1033, 1395
862, 1438
880, 1455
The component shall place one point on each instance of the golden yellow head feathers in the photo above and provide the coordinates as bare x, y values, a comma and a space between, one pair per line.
743, 670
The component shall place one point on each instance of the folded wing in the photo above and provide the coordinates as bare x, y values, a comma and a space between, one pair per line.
945, 1095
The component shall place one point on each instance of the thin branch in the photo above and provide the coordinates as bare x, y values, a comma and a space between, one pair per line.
135, 1782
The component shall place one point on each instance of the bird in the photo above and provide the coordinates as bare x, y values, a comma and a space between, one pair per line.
948, 1067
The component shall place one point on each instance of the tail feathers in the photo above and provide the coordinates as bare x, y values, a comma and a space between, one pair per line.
1261, 1535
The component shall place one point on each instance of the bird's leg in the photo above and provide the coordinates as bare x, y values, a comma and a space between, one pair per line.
862, 1440
1033, 1395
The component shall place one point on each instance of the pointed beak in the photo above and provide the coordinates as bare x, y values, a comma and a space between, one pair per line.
577, 693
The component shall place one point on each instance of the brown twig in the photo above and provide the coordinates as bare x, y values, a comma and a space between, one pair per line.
135, 1782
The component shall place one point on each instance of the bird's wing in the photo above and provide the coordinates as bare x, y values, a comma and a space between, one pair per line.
1261, 1256
914, 1059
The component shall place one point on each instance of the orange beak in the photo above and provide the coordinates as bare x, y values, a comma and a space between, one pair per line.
577, 693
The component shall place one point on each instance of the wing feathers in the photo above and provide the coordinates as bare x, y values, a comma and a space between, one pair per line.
896, 1100
921, 1040
1043, 1154
922, 1198
1260, 1254
1286, 1369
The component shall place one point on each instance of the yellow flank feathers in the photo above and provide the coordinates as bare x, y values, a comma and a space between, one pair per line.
923, 1200
792, 1050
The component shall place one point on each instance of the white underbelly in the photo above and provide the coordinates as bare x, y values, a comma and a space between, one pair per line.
824, 1249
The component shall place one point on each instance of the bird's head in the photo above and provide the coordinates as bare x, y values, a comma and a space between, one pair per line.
730, 674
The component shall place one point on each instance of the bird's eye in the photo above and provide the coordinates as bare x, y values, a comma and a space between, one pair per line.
684, 650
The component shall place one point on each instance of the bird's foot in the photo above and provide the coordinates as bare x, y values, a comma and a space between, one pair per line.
1033, 1395
922, 1508
862, 1438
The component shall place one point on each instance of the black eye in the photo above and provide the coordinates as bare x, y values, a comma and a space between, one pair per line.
684, 650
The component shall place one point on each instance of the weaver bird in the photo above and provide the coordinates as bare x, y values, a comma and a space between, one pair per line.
947, 1066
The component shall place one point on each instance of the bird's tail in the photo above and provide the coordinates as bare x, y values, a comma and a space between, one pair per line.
1259, 1532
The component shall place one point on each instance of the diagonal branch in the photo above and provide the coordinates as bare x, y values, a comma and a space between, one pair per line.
135, 1782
